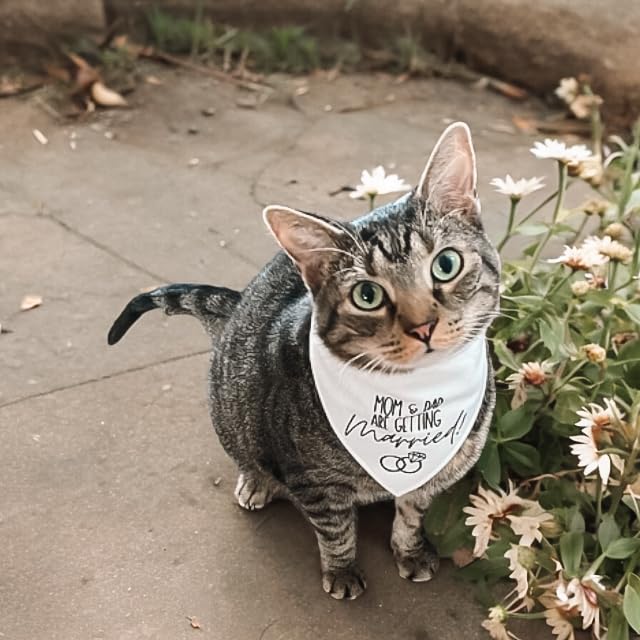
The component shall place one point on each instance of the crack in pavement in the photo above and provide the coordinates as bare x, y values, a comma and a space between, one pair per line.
107, 376
98, 245
291, 144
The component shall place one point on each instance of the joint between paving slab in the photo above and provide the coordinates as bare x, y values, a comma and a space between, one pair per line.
253, 186
105, 248
109, 376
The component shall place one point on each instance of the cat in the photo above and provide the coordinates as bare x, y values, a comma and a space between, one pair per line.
263, 402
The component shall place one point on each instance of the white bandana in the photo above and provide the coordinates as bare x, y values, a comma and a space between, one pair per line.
402, 428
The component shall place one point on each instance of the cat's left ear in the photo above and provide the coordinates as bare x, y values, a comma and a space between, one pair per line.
308, 240
448, 182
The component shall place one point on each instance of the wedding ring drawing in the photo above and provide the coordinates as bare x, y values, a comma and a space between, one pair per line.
411, 463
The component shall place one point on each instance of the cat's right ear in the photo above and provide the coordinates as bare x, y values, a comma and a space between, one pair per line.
308, 240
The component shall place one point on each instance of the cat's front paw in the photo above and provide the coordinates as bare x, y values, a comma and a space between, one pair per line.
344, 583
254, 492
419, 566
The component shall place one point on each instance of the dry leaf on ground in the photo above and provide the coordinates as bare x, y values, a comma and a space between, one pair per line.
194, 622
30, 302
106, 97
462, 557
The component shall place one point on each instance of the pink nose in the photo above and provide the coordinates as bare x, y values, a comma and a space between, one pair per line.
424, 331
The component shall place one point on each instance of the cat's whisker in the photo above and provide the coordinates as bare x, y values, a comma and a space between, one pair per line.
351, 361
355, 239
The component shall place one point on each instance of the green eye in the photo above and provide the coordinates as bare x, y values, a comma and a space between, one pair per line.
367, 296
446, 266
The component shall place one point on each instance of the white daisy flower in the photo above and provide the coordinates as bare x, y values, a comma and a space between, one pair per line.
519, 572
568, 90
489, 506
582, 595
527, 524
377, 183
598, 417
559, 624
517, 189
494, 624
610, 248
530, 373
589, 457
580, 258
556, 150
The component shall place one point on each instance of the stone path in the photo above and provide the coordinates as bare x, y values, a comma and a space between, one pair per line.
117, 518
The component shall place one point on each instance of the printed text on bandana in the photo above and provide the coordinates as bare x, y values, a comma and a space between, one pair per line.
405, 423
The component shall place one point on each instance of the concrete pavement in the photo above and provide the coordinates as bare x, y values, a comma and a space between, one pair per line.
117, 518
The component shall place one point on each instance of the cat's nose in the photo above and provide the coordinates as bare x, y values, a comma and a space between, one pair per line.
424, 331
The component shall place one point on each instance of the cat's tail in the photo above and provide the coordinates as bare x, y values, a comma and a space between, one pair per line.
208, 304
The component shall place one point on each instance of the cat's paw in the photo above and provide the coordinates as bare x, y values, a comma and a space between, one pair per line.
418, 567
346, 583
253, 493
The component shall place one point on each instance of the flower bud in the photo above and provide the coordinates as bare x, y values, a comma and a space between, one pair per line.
594, 353
527, 557
550, 528
615, 231
580, 288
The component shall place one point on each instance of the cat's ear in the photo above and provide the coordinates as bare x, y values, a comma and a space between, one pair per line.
448, 182
308, 240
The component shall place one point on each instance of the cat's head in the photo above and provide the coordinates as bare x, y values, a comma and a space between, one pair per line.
411, 278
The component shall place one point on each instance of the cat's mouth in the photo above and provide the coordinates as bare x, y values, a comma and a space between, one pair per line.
424, 333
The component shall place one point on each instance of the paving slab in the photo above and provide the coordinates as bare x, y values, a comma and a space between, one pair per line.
129, 527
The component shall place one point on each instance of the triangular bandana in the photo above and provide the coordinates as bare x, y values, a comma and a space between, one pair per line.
402, 428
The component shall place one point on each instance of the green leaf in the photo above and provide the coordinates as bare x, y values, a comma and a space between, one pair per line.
622, 548
571, 547
505, 355
633, 311
575, 521
489, 464
618, 629
532, 229
608, 531
514, 424
631, 603
633, 202
522, 457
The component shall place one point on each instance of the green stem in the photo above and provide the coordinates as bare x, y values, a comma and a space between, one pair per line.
562, 186
545, 202
580, 229
636, 255
598, 501
630, 569
627, 187
606, 328
596, 563
512, 215
197, 27
558, 286
372, 199
526, 616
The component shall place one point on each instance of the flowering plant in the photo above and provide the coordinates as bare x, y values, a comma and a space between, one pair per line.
554, 503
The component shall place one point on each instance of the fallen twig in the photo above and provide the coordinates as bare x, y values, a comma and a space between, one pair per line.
208, 71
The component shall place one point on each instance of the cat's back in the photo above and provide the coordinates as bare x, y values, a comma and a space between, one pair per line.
270, 319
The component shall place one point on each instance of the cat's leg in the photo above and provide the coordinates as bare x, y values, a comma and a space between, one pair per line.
334, 523
254, 490
415, 557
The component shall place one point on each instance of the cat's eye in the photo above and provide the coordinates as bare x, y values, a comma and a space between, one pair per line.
446, 266
367, 295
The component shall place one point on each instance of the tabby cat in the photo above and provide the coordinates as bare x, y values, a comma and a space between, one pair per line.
427, 261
